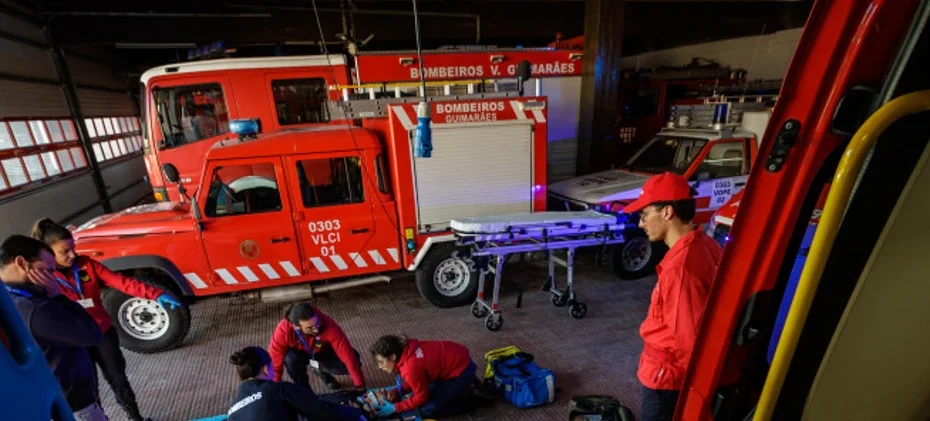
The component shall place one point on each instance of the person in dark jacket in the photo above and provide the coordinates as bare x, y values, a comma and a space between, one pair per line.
305, 337
81, 279
60, 327
260, 398
439, 373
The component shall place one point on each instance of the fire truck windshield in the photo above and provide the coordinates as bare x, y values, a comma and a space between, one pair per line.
665, 153
188, 114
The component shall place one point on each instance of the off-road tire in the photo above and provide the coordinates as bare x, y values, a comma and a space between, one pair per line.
440, 258
179, 321
657, 251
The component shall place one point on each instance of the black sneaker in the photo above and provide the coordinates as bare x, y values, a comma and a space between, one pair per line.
330, 381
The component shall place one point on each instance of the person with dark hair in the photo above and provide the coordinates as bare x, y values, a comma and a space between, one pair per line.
439, 373
260, 398
81, 279
306, 336
686, 275
60, 327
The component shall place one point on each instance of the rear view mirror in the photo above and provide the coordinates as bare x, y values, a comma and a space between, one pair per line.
171, 173
524, 70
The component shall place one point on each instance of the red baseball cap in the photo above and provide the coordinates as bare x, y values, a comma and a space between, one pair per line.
665, 187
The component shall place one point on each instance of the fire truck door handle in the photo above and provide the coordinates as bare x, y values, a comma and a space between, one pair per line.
359, 230
275, 240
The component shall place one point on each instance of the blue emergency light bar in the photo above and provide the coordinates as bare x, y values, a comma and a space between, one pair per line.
246, 128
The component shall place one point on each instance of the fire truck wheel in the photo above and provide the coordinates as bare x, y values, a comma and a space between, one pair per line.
144, 326
636, 258
446, 281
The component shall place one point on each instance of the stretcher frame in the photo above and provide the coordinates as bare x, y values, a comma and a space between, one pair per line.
480, 249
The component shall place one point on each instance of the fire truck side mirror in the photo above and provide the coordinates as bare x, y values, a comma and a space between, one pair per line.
171, 173
524, 70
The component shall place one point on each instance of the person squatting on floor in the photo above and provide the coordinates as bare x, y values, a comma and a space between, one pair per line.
305, 337
60, 327
439, 373
685, 277
261, 398
81, 279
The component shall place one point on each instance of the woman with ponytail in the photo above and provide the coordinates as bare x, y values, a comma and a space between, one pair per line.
81, 279
260, 398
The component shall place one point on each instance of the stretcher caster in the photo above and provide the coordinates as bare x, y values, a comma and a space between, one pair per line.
578, 310
494, 322
478, 310
559, 300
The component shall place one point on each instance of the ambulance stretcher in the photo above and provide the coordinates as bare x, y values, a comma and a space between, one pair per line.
493, 238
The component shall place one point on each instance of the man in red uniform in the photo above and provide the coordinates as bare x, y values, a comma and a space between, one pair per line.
305, 337
686, 275
439, 373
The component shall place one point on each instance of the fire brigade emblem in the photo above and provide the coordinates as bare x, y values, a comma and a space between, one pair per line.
248, 249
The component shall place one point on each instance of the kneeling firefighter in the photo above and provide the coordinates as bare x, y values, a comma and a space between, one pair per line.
80, 278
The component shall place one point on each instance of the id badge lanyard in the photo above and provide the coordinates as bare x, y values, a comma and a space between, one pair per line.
19, 292
306, 345
77, 283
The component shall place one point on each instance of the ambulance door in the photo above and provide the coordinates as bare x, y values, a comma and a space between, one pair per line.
247, 231
717, 174
340, 216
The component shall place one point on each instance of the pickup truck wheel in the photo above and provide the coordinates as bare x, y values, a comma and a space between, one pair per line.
445, 280
636, 258
144, 326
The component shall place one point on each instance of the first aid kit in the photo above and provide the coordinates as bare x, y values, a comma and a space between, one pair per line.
523, 382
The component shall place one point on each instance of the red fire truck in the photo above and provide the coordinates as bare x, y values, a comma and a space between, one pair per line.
187, 107
304, 208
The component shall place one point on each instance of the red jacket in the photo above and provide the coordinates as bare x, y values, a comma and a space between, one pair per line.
92, 274
284, 338
425, 362
669, 332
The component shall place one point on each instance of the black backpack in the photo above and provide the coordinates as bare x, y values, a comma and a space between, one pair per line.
597, 408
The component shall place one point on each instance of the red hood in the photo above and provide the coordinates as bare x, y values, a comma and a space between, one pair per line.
156, 218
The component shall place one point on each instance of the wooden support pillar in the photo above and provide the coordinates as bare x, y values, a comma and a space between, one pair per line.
600, 85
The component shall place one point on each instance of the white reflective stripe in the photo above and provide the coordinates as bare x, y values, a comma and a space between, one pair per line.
394, 255
517, 109
540, 118
269, 271
403, 117
550, 385
289, 268
725, 220
358, 260
249, 275
376, 257
227, 277
337, 260
195, 280
319, 265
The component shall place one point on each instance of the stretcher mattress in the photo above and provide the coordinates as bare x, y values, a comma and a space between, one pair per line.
507, 223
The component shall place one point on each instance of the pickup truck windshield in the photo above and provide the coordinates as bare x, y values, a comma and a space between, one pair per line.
188, 114
664, 153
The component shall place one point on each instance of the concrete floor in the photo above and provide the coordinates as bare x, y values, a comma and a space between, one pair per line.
594, 355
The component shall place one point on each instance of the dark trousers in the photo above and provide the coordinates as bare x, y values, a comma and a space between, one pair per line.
108, 356
658, 405
297, 360
447, 397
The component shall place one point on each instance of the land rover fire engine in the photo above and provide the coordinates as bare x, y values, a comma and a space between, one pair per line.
711, 145
293, 211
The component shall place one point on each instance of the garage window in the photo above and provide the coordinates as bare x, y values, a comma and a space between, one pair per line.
191, 113
242, 190
330, 181
300, 101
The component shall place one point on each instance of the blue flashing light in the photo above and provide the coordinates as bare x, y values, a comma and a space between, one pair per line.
248, 127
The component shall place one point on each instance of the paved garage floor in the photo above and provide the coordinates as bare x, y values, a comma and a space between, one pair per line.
594, 355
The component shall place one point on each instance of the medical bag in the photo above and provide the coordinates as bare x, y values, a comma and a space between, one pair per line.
523, 382
597, 408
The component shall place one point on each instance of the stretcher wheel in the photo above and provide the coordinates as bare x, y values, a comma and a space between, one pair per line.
494, 322
559, 300
578, 310
479, 310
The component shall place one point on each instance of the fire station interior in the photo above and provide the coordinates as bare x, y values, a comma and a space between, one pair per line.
243, 157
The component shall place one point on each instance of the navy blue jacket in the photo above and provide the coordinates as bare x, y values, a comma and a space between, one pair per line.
262, 400
62, 329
